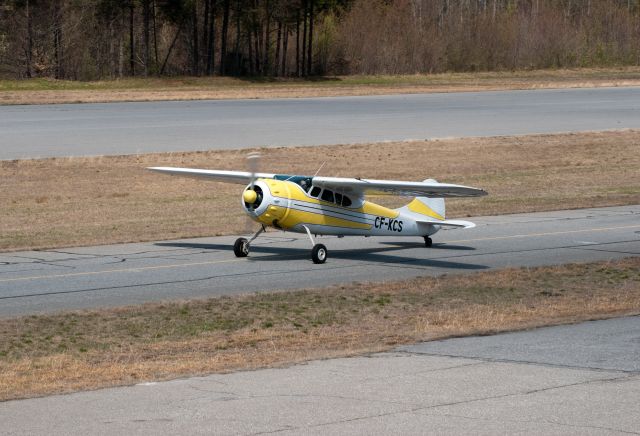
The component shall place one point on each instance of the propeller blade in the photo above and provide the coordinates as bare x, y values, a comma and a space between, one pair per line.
253, 161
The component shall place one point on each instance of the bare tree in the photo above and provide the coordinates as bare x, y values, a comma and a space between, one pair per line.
92, 39
223, 38
146, 14
310, 45
132, 50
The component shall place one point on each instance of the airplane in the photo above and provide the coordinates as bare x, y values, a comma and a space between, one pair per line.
318, 205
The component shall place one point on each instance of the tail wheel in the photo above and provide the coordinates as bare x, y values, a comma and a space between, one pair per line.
241, 247
428, 242
319, 253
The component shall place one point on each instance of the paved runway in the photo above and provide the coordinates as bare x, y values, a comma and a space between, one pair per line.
32, 282
569, 380
128, 128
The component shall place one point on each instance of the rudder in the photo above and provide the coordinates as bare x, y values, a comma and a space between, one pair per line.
431, 207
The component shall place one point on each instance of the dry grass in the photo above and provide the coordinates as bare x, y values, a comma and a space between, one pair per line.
84, 201
91, 349
44, 91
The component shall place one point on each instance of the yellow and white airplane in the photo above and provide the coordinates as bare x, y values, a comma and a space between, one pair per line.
336, 206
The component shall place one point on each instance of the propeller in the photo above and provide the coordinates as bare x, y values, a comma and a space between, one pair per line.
253, 161
250, 196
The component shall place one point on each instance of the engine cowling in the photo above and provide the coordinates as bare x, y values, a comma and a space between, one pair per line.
267, 202
256, 199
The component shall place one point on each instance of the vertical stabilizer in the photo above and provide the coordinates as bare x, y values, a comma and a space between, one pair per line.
431, 207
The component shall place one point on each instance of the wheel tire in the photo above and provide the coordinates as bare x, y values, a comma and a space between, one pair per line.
240, 247
428, 242
319, 253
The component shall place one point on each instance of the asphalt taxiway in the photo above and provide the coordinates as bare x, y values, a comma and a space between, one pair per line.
579, 379
115, 275
34, 131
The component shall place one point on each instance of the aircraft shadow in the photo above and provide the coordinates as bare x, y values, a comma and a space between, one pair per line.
436, 245
377, 255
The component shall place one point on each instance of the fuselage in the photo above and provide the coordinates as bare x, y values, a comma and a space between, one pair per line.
292, 206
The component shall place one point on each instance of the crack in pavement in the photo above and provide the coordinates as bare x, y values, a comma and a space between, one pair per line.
38, 261
428, 371
631, 253
590, 216
533, 421
169, 282
494, 253
453, 403
331, 397
524, 362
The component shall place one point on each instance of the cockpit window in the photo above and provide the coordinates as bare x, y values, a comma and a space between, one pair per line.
327, 195
315, 191
305, 184
303, 181
346, 201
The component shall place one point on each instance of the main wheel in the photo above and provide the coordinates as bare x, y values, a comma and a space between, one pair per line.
319, 253
241, 247
428, 242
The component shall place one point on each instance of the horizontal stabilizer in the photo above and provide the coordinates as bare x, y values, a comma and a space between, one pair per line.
448, 223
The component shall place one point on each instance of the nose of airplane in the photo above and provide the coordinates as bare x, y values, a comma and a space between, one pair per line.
250, 196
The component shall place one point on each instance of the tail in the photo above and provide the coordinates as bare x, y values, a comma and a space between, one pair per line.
432, 211
429, 207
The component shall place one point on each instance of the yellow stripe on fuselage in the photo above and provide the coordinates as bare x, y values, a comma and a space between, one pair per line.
291, 218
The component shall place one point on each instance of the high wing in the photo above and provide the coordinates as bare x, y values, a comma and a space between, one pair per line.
428, 188
241, 177
358, 187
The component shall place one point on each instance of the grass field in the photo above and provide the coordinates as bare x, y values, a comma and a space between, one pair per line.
43, 91
84, 201
91, 349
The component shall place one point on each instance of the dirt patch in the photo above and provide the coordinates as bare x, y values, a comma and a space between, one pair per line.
91, 349
45, 91
62, 202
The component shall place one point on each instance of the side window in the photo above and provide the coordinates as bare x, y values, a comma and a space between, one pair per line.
338, 199
315, 191
346, 201
327, 195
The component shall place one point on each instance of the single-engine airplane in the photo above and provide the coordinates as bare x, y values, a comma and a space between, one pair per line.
336, 206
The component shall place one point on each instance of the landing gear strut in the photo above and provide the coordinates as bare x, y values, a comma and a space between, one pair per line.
428, 242
241, 246
319, 251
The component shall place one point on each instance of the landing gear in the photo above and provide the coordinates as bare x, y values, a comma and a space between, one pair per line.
428, 242
241, 246
319, 253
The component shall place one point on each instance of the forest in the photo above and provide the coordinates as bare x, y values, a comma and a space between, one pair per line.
109, 39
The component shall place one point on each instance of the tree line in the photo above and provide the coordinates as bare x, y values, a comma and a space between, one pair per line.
97, 39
